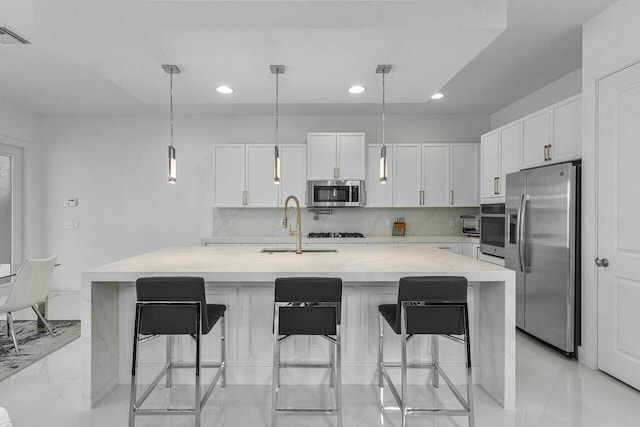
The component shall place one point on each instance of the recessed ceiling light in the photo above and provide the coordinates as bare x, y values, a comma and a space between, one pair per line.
437, 96
355, 89
225, 90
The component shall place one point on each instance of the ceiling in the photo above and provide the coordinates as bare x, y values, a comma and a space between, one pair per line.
105, 56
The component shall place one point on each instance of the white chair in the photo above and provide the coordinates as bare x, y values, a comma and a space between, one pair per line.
29, 288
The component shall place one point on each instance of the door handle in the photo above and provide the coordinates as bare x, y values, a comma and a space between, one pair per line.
602, 262
244, 198
421, 197
452, 197
496, 190
336, 173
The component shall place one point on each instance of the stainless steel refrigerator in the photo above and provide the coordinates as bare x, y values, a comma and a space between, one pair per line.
543, 247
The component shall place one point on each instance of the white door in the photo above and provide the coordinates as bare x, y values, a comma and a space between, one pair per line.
351, 156
10, 208
464, 174
618, 231
229, 175
262, 191
321, 156
407, 175
378, 195
435, 175
294, 172
490, 172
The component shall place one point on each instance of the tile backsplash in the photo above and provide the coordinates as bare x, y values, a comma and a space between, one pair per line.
368, 221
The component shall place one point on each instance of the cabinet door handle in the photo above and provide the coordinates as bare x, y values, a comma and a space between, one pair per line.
549, 152
244, 198
336, 173
545, 152
452, 197
496, 180
421, 197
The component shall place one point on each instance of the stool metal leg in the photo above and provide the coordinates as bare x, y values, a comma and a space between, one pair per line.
467, 344
332, 363
43, 320
223, 350
169, 360
403, 337
435, 360
12, 331
134, 368
275, 383
380, 349
198, 404
338, 368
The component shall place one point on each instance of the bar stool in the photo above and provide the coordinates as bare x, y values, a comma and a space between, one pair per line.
434, 305
307, 306
175, 306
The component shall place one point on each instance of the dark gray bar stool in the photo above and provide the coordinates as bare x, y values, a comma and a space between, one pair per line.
175, 306
432, 305
307, 306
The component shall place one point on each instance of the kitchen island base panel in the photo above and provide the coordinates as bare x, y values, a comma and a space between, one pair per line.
108, 339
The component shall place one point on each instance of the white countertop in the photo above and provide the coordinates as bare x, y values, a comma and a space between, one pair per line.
454, 238
247, 264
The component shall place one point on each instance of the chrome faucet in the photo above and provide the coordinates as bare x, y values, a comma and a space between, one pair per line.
298, 231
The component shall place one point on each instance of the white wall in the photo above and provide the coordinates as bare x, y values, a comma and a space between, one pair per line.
116, 167
563, 88
21, 129
610, 42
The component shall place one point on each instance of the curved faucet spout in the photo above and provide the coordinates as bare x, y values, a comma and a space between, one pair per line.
298, 231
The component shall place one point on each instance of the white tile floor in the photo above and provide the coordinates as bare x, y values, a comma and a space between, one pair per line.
551, 391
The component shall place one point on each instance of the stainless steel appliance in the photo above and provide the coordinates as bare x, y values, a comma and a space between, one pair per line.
492, 223
543, 247
335, 194
470, 225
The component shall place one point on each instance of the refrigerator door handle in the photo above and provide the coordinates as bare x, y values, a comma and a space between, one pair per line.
522, 253
518, 233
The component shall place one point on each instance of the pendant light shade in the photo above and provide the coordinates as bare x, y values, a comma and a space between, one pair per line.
277, 70
383, 69
172, 175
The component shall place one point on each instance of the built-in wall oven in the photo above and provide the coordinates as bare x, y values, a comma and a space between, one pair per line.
492, 229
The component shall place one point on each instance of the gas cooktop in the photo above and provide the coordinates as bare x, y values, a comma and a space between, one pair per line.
320, 235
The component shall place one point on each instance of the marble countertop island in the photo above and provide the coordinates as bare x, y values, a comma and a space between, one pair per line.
242, 278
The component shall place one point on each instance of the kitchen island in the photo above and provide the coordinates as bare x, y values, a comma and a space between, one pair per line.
242, 278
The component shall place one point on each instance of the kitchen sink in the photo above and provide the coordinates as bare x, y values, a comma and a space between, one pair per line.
289, 250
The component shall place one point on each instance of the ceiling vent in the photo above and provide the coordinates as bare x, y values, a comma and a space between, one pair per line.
8, 37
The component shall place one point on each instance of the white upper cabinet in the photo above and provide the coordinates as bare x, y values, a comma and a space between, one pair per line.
465, 167
243, 175
490, 165
294, 172
553, 135
536, 137
261, 189
566, 119
407, 175
435, 175
378, 195
229, 175
333, 155
351, 149
500, 156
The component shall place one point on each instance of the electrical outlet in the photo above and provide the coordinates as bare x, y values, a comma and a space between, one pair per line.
70, 203
282, 224
387, 223
70, 224
232, 223
452, 223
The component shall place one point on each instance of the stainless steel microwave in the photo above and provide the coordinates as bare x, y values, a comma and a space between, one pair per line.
335, 194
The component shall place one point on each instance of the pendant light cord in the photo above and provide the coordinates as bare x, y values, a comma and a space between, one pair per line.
171, 101
383, 108
277, 99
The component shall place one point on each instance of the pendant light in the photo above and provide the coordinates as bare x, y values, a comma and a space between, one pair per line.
383, 69
277, 70
171, 70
